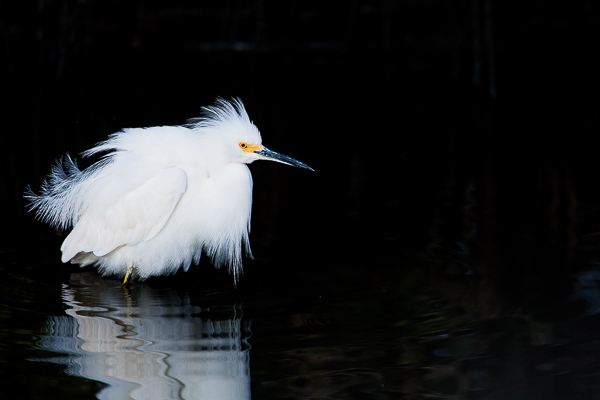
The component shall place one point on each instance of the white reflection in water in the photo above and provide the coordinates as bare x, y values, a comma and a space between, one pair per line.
147, 344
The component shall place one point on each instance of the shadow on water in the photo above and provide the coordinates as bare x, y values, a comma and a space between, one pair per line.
146, 343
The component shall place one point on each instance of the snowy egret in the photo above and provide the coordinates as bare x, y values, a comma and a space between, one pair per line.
161, 196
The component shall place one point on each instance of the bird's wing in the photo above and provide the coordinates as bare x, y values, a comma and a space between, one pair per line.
135, 217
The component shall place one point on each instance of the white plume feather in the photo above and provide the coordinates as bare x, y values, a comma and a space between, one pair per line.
158, 197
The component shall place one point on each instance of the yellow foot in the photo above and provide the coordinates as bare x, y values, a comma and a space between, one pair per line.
127, 275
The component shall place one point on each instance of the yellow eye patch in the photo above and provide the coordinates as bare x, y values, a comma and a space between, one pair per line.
249, 148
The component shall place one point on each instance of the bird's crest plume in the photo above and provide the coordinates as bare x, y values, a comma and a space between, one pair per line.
222, 112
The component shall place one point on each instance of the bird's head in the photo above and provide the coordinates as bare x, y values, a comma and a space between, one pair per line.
259, 152
239, 138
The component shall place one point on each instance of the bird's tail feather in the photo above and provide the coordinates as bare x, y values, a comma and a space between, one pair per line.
58, 203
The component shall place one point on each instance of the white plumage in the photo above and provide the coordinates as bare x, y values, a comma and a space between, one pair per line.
161, 196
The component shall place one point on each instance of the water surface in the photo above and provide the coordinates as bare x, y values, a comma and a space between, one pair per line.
431, 328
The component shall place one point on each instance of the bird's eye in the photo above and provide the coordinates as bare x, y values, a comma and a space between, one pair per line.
243, 145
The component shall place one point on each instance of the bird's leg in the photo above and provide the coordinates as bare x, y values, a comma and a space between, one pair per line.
129, 271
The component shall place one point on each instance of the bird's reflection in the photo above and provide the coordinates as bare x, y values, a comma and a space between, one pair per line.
149, 343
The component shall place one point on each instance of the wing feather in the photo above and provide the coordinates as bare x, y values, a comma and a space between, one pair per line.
137, 216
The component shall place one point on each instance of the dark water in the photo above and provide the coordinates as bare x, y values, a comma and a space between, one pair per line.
428, 325
446, 246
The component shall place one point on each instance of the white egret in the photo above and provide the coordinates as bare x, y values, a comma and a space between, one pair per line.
161, 196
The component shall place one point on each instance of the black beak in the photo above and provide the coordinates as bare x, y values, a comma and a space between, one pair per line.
274, 156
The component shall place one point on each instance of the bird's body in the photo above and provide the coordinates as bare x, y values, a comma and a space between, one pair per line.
161, 197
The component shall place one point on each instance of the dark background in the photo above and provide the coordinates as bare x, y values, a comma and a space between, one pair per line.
455, 196
425, 121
